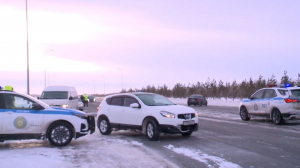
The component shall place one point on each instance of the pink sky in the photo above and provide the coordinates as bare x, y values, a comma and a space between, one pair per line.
153, 42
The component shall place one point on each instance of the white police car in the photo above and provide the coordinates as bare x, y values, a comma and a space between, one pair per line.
277, 102
24, 117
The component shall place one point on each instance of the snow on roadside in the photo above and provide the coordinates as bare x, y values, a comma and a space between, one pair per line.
212, 102
89, 151
203, 157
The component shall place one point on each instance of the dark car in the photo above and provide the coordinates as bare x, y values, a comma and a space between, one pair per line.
197, 100
92, 99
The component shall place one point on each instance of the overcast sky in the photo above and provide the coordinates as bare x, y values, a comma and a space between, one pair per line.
152, 42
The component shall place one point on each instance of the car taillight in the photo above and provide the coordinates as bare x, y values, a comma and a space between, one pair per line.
98, 108
198, 100
291, 100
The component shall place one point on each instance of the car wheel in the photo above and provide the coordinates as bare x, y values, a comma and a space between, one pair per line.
60, 133
277, 117
186, 134
152, 130
189, 104
104, 126
206, 104
244, 114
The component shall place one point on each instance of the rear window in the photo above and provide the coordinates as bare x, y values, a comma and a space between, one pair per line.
194, 96
54, 95
296, 92
116, 101
283, 92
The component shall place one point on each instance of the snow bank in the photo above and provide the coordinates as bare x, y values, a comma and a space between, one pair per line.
212, 102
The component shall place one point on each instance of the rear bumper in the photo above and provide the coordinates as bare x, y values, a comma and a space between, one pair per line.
179, 129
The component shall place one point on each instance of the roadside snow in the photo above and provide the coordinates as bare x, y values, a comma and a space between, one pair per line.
212, 102
89, 151
203, 157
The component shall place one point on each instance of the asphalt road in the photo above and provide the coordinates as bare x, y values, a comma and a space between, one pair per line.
223, 138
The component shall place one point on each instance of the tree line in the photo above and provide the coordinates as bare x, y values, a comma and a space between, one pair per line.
217, 89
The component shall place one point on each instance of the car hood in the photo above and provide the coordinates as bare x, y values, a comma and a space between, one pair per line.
175, 109
55, 102
67, 110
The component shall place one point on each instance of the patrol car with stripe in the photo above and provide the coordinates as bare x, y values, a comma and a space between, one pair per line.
25, 117
276, 102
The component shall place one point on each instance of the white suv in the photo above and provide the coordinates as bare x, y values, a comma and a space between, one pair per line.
147, 112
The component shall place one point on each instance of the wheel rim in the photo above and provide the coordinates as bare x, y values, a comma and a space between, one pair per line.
150, 130
243, 113
276, 116
103, 126
60, 134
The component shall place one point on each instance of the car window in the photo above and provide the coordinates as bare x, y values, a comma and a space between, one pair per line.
129, 100
54, 95
258, 95
116, 101
2, 104
296, 92
282, 92
270, 93
154, 100
17, 102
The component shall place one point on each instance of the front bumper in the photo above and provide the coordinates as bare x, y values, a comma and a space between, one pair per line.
91, 127
170, 129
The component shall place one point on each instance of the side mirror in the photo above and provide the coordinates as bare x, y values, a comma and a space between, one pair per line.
36, 106
134, 105
70, 98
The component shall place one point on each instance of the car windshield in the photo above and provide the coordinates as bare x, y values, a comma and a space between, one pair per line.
296, 92
154, 100
54, 95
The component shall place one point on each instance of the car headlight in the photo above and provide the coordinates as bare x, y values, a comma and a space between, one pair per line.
80, 104
167, 114
65, 106
196, 114
82, 116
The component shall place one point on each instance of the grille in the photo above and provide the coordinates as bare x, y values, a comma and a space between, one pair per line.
181, 116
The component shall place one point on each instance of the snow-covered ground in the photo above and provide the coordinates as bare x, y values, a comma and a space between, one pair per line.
212, 102
89, 151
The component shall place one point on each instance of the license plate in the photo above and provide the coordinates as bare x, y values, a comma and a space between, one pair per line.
191, 122
192, 100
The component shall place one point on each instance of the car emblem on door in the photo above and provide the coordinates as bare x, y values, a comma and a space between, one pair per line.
187, 116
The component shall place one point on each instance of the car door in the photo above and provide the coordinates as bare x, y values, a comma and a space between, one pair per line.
129, 115
114, 109
267, 101
254, 104
19, 116
2, 105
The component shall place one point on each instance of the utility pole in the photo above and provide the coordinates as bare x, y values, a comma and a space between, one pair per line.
46, 66
28, 91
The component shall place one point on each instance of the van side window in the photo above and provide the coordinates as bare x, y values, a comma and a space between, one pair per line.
117, 101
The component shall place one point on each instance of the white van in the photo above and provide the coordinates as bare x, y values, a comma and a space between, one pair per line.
60, 96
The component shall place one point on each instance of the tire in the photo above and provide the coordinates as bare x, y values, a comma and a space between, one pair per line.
152, 130
244, 114
276, 117
206, 104
60, 133
189, 104
186, 134
104, 126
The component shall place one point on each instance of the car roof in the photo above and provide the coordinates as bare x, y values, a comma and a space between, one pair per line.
130, 93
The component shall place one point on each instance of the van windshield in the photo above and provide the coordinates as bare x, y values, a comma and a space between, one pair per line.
54, 95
